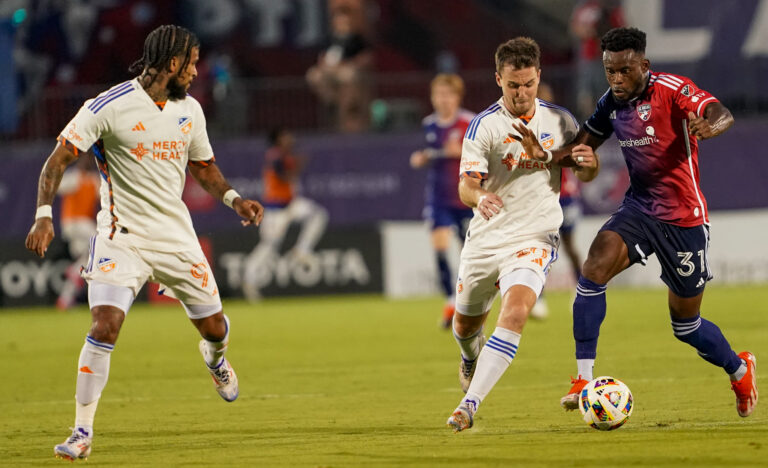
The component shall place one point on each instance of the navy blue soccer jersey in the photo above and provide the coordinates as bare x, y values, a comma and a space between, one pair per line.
442, 176
661, 156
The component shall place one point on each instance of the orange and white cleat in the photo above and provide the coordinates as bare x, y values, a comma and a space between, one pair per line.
462, 417
223, 375
746, 388
570, 402
447, 319
77, 446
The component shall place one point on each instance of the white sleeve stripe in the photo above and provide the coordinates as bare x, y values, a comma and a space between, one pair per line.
673, 88
698, 110
671, 78
673, 83
593, 128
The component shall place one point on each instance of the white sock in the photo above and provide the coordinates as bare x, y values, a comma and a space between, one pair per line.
494, 359
84, 415
92, 376
585, 367
216, 349
470, 346
740, 372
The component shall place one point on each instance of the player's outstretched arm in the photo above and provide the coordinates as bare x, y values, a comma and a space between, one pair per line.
563, 156
717, 119
474, 196
41, 234
212, 180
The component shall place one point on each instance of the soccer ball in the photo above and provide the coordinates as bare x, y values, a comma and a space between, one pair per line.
606, 403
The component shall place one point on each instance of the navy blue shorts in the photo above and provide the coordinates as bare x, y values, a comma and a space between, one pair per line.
440, 216
682, 251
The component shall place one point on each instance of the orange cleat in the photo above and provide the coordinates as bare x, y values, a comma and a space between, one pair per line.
746, 388
447, 320
570, 402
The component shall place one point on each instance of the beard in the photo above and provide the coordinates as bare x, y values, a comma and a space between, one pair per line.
176, 91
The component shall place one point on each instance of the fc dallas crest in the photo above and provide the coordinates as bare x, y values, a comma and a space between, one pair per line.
644, 111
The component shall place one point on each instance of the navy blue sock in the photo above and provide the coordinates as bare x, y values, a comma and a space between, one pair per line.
446, 281
708, 340
588, 314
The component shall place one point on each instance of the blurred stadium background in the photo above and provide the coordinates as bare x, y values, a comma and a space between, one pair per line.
255, 54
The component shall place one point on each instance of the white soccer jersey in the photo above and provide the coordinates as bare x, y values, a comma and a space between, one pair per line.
529, 189
142, 154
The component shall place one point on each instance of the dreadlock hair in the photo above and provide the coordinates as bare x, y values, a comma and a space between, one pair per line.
161, 45
618, 39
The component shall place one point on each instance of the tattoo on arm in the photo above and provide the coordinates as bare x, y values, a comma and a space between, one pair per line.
210, 178
50, 176
719, 118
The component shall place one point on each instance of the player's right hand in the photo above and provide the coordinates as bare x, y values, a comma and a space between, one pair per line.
40, 236
489, 204
530, 142
419, 159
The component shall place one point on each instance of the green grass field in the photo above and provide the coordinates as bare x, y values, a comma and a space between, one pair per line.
362, 381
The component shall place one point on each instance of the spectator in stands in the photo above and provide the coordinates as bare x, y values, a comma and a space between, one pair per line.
340, 78
589, 21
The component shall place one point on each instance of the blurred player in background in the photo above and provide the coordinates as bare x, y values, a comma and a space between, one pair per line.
658, 119
570, 202
446, 214
79, 191
146, 133
513, 236
283, 206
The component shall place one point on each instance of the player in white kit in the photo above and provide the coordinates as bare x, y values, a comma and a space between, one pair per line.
145, 134
513, 237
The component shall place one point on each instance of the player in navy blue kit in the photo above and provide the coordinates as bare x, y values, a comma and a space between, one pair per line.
446, 214
658, 119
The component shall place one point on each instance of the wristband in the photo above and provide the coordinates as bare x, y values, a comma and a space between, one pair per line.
44, 211
229, 197
549, 156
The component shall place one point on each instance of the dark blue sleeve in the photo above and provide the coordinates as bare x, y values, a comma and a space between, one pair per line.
599, 124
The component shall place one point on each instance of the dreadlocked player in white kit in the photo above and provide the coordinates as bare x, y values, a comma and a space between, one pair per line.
145, 133
513, 237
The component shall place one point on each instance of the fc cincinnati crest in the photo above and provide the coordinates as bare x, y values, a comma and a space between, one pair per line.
644, 111
106, 264
547, 140
185, 124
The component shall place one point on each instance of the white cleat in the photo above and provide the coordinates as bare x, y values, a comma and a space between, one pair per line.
224, 377
467, 369
78, 445
462, 418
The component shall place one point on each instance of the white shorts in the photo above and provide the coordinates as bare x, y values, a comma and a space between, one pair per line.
482, 273
185, 273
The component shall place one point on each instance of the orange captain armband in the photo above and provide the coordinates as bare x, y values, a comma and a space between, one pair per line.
205, 163
475, 175
68, 145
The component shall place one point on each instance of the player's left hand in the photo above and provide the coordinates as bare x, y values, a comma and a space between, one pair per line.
250, 210
699, 127
584, 156
529, 141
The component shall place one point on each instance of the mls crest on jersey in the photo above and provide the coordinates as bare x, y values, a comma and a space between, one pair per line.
547, 140
644, 111
687, 90
185, 124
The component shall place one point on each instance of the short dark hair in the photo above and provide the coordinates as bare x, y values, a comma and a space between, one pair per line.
520, 52
618, 39
164, 43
